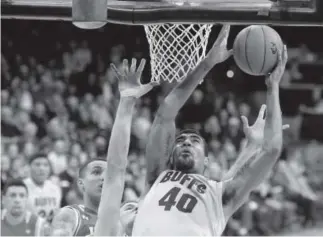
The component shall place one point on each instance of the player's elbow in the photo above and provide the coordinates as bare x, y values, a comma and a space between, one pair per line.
169, 108
274, 146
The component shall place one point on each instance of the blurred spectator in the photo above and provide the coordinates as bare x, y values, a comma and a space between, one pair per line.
5, 170
40, 118
58, 157
8, 126
16, 220
68, 178
44, 195
101, 146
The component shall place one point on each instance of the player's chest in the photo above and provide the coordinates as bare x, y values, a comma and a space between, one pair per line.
87, 224
180, 192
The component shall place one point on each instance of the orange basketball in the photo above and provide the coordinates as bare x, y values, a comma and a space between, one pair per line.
255, 49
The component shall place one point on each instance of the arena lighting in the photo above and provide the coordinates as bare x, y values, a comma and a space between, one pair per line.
230, 74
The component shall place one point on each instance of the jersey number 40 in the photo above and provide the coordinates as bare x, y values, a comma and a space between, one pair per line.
186, 203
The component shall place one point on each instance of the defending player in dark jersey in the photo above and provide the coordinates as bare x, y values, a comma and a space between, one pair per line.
15, 219
120, 220
79, 220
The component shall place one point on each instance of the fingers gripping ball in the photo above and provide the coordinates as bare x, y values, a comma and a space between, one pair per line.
255, 49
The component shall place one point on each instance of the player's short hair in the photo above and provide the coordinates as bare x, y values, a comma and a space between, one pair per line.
84, 166
38, 156
170, 164
14, 183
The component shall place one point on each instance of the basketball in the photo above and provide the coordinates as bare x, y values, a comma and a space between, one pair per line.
255, 49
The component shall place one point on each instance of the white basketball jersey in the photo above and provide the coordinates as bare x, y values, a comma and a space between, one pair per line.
181, 204
45, 200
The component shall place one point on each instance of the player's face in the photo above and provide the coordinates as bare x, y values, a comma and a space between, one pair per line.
128, 213
40, 170
94, 177
188, 153
15, 200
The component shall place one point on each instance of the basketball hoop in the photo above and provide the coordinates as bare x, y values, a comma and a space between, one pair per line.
176, 49
177, 30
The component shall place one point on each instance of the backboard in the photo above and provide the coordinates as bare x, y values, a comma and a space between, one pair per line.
143, 12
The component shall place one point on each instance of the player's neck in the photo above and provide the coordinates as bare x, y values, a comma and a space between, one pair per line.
15, 220
91, 204
39, 184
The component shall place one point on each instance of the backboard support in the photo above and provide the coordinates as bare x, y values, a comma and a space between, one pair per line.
238, 12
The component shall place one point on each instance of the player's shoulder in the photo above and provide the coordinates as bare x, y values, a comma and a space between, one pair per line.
67, 212
72, 207
77, 208
28, 182
49, 184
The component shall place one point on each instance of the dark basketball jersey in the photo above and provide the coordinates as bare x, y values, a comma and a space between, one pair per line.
31, 226
86, 219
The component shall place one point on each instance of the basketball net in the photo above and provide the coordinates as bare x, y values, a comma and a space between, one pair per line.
176, 49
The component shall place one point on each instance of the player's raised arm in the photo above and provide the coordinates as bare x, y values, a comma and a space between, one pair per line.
163, 130
130, 90
257, 169
64, 222
255, 139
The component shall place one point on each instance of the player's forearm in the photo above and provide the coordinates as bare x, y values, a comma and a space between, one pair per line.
120, 135
273, 125
243, 161
175, 100
115, 174
266, 159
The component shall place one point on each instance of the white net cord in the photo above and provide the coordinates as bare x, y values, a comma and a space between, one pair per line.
176, 49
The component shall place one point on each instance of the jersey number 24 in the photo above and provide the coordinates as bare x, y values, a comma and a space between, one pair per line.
186, 202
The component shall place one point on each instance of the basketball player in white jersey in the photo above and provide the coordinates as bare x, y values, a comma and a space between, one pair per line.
128, 210
16, 220
182, 201
44, 195
111, 220
121, 220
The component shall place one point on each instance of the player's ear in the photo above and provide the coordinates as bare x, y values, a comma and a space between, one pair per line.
80, 184
206, 161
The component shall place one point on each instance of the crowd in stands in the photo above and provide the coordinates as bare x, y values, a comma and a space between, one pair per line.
59, 96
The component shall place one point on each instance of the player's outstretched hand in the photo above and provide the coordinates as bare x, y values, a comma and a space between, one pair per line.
278, 72
219, 52
255, 133
129, 79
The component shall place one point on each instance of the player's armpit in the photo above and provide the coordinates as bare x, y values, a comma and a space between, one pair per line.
160, 141
64, 222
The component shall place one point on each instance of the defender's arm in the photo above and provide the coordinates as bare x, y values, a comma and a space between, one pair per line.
64, 222
114, 180
108, 223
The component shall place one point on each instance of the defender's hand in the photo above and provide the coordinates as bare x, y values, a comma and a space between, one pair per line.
278, 72
219, 52
255, 133
129, 79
